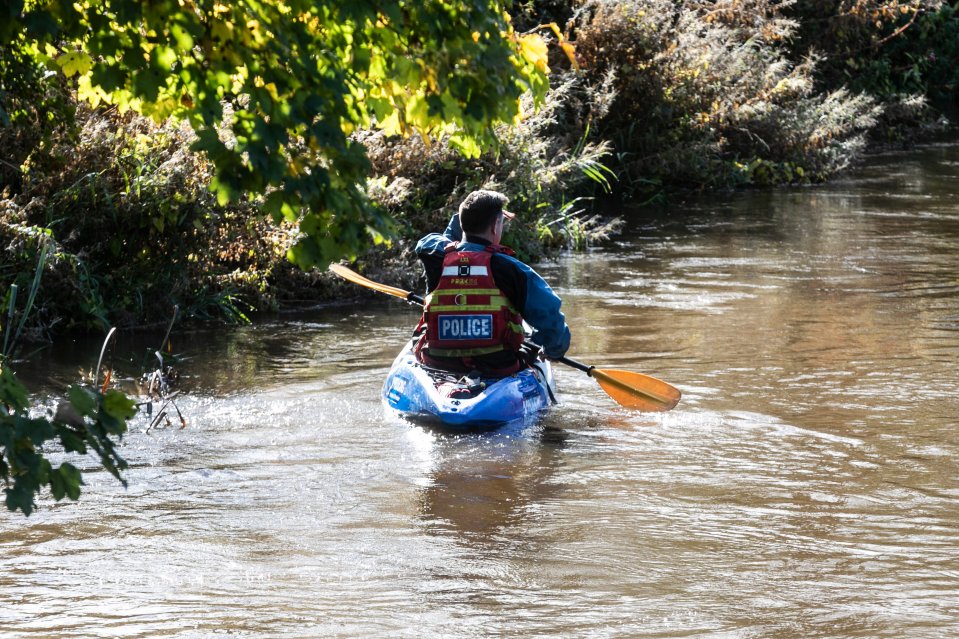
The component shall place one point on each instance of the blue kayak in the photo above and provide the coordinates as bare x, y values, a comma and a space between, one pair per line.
468, 402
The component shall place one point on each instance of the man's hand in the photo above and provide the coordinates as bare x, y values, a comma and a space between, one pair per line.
529, 353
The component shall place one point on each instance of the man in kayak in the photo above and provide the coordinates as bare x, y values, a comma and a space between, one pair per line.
480, 294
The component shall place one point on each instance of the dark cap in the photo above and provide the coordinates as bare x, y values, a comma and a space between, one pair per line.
480, 209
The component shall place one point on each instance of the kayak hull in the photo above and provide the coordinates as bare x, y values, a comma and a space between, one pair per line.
465, 402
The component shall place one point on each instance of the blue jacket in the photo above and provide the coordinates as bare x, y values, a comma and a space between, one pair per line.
530, 294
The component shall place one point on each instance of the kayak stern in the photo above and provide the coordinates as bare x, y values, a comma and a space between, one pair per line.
465, 402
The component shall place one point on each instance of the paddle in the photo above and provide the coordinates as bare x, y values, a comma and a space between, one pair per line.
356, 278
633, 390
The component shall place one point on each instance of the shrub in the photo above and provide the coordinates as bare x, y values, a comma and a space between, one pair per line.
905, 53
706, 96
884, 47
137, 231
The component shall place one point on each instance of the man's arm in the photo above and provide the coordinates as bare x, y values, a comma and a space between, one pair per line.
432, 249
537, 303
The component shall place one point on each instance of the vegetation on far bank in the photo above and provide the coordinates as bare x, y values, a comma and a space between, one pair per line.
665, 96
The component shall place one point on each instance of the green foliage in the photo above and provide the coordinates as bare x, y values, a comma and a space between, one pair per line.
703, 94
91, 421
274, 90
884, 47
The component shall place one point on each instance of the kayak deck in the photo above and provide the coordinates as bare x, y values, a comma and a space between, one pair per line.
469, 402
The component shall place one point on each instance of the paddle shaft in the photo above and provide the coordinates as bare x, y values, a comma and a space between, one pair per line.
577, 365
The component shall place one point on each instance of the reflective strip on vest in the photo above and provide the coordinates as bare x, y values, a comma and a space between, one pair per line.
495, 303
447, 309
496, 300
467, 291
464, 271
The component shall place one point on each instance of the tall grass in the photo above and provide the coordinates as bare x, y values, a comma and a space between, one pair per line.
11, 335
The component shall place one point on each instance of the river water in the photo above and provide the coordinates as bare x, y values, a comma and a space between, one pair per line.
806, 486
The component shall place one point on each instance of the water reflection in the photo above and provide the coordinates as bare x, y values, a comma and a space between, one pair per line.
483, 489
224, 361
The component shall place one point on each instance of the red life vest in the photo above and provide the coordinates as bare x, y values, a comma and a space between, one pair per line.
467, 314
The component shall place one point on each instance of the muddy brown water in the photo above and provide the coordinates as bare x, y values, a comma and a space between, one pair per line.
806, 486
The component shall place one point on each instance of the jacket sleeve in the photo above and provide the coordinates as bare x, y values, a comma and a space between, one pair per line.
435, 243
453, 230
432, 249
542, 312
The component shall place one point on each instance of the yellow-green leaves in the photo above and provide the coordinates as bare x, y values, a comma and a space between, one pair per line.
275, 89
533, 48
75, 62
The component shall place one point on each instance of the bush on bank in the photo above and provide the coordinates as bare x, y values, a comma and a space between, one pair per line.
758, 92
670, 95
134, 230
887, 48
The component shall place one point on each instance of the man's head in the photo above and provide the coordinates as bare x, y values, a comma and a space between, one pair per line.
480, 211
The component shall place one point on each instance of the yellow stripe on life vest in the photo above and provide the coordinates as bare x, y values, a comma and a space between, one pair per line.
466, 291
491, 307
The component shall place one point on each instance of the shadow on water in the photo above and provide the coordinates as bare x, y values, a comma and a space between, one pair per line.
221, 361
481, 488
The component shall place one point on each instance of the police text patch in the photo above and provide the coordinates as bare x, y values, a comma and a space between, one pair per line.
453, 327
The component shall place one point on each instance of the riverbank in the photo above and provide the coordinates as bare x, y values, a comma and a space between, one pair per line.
667, 97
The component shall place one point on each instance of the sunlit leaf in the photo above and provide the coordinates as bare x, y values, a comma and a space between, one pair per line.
535, 50
75, 62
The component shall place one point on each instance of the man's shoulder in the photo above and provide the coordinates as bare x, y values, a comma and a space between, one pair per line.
511, 262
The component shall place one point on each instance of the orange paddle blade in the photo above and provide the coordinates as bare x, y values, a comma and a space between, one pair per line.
635, 390
356, 278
